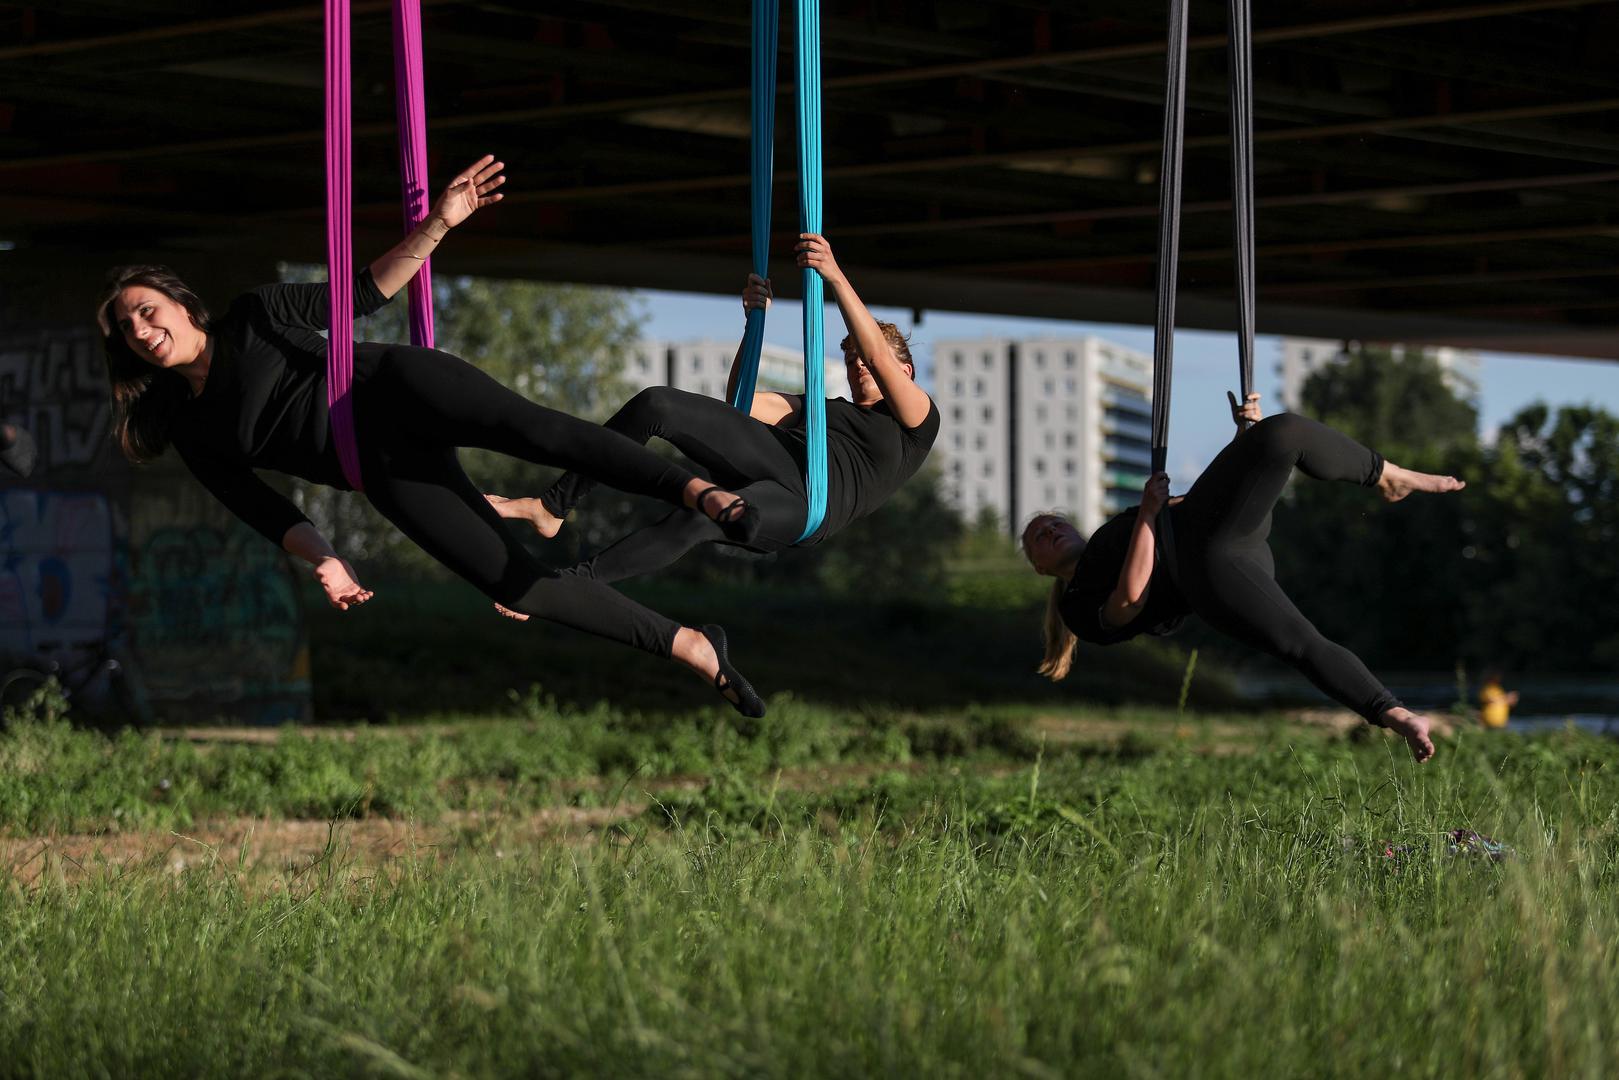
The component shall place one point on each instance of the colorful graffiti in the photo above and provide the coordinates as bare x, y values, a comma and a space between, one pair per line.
56, 386
100, 561
57, 552
215, 619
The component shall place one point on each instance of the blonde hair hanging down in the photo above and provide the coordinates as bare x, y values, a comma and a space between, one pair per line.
1060, 641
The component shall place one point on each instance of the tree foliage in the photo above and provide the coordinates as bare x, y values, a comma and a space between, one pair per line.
1521, 570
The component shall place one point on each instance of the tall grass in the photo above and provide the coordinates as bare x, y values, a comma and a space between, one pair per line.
1296, 912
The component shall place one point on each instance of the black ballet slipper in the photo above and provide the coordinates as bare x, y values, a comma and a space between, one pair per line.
740, 521
729, 681
17, 451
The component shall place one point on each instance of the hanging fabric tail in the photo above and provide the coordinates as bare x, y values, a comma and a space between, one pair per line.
1169, 232
765, 22
339, 243
809, 209
1242, 185
411, 98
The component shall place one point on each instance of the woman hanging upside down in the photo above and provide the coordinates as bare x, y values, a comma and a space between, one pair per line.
874, 443
1124, 581
248, 390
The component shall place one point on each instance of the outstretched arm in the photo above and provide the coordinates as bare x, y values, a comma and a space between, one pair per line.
335, 575
472, 189
1129, 597
767, 407
909, 402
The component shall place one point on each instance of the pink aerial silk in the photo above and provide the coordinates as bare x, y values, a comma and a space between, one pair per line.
340, 202
410, 95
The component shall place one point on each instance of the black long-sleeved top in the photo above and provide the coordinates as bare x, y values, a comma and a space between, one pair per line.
263, 405
1097, 575
869, 454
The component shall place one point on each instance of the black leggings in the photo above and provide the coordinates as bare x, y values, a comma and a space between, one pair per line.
412, 412
1224, 566
736, 451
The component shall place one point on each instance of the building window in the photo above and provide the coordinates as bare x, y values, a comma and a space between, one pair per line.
955, 388
696, 362
989, 469
955, 467
978, 387
1073, 412
1068, 439
1068, 466
1040, 359
1069, 385
989, 360
955, 414
1068, 358
989, 414
1039, 466
978, 441
1040, 413
958, 440
1049, 387
957, 360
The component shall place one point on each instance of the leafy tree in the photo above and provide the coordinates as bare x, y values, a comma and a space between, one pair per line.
1520, 571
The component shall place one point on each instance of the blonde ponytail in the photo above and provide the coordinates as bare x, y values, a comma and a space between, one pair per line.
1060, 641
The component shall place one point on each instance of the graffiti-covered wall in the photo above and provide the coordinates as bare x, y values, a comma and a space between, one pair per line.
102, 561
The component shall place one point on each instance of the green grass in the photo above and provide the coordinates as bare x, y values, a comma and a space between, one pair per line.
1001, 906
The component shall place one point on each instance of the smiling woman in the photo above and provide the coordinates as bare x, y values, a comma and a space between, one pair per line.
249, 390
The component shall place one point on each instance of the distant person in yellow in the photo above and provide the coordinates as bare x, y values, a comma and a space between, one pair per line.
1494, 703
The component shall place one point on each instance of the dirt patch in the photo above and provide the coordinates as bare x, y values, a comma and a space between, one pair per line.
290, 846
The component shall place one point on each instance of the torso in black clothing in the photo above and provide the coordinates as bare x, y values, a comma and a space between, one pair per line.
263, 405
1097, 575
869, 454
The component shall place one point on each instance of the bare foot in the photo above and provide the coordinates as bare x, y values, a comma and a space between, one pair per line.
510, 614
1413, 728
1396, 483
532, 511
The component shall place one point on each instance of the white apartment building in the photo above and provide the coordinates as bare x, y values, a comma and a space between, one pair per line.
1302, 357
703, 366
1043, 424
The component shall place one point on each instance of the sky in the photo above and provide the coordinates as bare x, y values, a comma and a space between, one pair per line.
1205, 363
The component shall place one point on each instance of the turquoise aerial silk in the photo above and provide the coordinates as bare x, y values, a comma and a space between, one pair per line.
766, 16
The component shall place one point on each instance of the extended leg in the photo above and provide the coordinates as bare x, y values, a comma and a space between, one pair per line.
425, 493
735, 448
659, 545
441, 400
1236, 595
1236, 493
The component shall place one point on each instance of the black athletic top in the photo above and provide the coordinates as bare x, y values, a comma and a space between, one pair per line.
1097, 575
869, 454
263, 405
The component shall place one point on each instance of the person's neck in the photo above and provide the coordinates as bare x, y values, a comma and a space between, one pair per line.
196, 372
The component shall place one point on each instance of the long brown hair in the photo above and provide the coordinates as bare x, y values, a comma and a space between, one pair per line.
144, 398
1059, 640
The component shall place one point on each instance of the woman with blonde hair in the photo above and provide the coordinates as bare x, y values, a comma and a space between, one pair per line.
1126, 580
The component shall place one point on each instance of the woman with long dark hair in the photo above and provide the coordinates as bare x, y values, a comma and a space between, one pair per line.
248, 391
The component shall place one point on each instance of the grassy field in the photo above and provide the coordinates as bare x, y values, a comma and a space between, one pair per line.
944, 893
